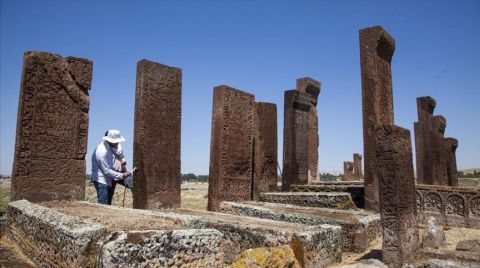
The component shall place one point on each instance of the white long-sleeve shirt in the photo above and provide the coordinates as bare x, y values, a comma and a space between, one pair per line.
103, 160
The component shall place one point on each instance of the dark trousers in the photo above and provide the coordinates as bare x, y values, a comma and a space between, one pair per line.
104, 192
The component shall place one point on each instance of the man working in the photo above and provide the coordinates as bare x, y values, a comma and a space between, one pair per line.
104, 173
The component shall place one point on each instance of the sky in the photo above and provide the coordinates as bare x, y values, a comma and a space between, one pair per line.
260, 47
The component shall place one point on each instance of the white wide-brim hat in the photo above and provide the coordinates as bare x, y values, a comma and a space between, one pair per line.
113, 136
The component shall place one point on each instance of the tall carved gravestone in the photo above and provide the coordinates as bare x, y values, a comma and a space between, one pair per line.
52, 128
376, 51
451, 145
311, 87
297, 107
435, 162
156, 145
347, 171
357, 167
265, 149
231, 147
397, 193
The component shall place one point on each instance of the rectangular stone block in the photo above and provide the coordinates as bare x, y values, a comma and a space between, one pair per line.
295, 138
231, 146
397, 194
50, 238
265, 153
451, 145
314, 246
357, 167
355, 190
156, 145
360, 228
52, 128
376, 51
348, 171
341, 200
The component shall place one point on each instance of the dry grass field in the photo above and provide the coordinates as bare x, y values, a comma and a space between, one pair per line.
194, 195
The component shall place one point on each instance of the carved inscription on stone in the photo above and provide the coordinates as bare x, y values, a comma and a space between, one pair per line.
156, 150
376, 51
311, 87
295, 138
52, 127
265, 149
435, 155
397, 194
231, 147
455, 205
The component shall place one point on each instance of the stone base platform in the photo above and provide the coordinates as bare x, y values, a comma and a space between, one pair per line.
337, 183
360, 228
356, 190
81, 234
340, 200
314, 246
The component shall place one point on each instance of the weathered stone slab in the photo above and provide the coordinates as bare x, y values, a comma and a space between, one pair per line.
347, 171
166, 248
359, 228
341, 200
397, 194
231, 146
357, 167
297, 107
456, 207
156, 145
376, 51
265, 143
312, 87
50, 238
435, 155
356, 191
314, 246
52, 127
338, 183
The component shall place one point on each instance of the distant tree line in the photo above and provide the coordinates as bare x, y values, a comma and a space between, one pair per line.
194, 178
4, 177
328, 177
475, 174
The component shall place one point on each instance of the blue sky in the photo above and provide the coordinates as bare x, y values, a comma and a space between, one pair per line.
257, 46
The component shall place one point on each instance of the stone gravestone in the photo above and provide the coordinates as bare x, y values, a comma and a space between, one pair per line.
357, 167
435, 154
347, 171
451, 147
231, 147
376, 51
156, 145
265, 149
311, 87
52, 128
397, 194
297, 107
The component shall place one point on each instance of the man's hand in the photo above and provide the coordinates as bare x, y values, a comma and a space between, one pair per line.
126, 174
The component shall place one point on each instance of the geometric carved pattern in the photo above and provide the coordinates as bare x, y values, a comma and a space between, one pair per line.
297, 107
455, 205
231, 147
475, 206
52, 128
265, 142
433, 202
156, 143
397, 193
376, 52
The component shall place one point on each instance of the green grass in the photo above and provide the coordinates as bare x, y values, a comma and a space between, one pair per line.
4, 196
